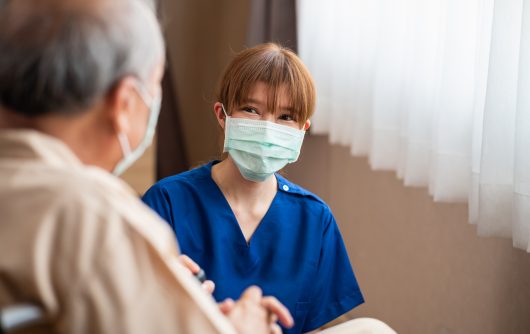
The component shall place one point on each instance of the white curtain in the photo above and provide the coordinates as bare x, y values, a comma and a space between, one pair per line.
437, 90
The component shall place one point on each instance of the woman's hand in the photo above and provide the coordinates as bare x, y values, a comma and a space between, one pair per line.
194, 268
255, 314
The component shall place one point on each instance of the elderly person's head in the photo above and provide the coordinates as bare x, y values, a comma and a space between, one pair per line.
86, 72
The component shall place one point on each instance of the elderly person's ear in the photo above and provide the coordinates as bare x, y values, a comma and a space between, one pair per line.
121, 103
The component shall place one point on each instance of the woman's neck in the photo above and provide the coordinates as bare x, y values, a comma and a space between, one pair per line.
239, 190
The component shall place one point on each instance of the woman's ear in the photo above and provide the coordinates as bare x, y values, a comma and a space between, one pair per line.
219, 114
307, 125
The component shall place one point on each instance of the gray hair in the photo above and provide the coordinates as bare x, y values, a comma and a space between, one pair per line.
64, 55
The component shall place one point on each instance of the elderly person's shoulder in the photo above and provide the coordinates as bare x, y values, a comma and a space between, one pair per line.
93, 194
44, 183
92, 185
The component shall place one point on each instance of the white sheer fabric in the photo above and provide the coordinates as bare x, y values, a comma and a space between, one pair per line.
437, 90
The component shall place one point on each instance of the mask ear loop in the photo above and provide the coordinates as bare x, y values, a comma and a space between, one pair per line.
124, 143
223, 107
225, 128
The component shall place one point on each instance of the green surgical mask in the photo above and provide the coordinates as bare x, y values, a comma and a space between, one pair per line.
260, 148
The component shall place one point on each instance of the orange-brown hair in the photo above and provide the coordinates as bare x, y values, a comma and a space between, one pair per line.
275, 66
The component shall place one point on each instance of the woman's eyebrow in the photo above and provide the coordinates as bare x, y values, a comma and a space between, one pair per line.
261, 103
253, 101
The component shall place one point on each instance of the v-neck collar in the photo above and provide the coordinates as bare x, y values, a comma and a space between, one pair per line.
235, 224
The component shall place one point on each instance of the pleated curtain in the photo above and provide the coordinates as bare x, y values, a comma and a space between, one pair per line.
436, 90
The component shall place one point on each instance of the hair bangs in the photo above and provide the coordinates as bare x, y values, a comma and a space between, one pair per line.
278, 68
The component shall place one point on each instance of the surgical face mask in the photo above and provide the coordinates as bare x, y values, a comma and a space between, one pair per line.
130, 156
260, 148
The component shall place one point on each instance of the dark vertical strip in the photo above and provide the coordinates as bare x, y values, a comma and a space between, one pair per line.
171, 157
267, 21
273, 21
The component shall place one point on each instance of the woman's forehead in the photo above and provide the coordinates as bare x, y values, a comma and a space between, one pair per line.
260, 93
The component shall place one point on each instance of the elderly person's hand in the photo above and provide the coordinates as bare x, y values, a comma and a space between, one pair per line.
194, 268
256, 314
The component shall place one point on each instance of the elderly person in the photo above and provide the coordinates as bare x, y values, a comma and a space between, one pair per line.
79, 97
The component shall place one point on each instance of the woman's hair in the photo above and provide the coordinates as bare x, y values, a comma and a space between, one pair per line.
275, 66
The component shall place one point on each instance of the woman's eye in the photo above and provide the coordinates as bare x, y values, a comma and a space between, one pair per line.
286, 117
250, 110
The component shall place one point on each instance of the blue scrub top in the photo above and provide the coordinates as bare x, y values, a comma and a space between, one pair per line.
295, 254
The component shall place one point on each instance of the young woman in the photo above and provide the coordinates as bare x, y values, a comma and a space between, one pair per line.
244, 223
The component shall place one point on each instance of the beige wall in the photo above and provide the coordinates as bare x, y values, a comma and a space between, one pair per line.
203, 35
419, 263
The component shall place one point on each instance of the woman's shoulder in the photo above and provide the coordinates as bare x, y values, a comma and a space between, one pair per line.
302, 195
181, 185
191, 177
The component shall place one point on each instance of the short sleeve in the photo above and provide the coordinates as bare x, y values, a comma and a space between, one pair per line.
157, 199
336, 290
